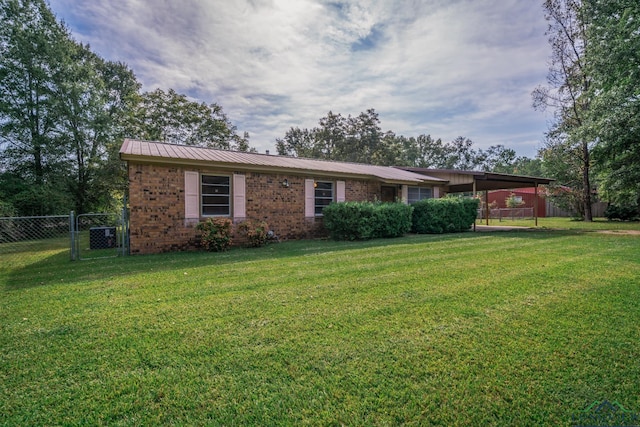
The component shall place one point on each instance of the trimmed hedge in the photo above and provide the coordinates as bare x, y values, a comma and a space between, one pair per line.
448, 215
366, 220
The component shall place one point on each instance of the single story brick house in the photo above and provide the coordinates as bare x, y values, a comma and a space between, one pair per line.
173, 187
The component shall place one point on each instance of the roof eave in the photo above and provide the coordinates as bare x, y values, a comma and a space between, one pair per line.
229, 166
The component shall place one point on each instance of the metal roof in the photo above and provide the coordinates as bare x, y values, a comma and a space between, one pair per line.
483, 180
150, 151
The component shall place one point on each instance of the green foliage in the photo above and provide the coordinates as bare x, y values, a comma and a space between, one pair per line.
622, 212
33, 50
512, 202
62, 110
171, 117
366, 220
614, 117
392, 219
6, 209
215, 234
447, 215
349, 220
567, 150
361, 139
256, 232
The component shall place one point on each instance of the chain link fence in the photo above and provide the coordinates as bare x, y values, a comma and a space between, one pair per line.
507, 213
85, 236
29, 234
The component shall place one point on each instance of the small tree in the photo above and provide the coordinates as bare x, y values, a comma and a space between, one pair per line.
513, 201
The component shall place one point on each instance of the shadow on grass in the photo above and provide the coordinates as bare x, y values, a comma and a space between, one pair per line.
57, 268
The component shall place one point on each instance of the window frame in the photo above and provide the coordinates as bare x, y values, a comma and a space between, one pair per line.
316, 198
411, 200
228, 195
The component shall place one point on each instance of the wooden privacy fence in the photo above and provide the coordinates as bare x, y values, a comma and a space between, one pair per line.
597, 210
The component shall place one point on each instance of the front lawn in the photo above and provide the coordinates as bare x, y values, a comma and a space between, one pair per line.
515, 328
565, 223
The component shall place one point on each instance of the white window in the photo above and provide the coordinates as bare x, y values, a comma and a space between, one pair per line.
323, 196
215, 195
416, 194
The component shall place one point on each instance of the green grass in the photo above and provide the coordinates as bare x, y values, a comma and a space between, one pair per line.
566, 223
516, 328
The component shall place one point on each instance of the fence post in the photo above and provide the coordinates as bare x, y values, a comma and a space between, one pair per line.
123, 232
72, 235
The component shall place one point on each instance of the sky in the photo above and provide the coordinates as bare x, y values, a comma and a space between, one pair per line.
446, 68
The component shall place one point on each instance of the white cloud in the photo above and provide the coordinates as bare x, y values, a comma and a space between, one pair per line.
448, 68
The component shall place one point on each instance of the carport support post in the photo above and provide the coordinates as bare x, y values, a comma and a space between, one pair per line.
475, 195
535, 203
486, 204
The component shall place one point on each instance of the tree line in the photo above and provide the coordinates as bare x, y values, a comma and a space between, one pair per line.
360, 139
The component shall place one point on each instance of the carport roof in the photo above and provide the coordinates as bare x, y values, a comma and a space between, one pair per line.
464, 180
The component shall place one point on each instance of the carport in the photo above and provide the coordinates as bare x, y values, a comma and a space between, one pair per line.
476, 181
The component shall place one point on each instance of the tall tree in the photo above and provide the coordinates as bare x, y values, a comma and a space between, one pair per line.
329, 137
614, 119
297, 143
96, 99
172, 117
568, 92
351, 139
363, 138
431, 152
499, 159
32, 51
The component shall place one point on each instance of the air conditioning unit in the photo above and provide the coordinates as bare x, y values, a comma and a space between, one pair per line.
102, 237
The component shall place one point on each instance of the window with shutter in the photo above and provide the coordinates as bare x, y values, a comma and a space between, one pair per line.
323, 196
215, 195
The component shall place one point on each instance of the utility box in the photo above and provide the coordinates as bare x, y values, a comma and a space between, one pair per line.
102, 237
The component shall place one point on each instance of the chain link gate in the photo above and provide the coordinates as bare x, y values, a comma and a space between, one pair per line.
100, 235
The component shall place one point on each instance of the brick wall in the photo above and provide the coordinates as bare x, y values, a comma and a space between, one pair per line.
156, 198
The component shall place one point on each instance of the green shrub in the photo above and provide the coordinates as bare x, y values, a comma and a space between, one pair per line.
448, 215
366, 220
6, 209
215, 234
627, 212
349, 220
392, 219
256, 232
